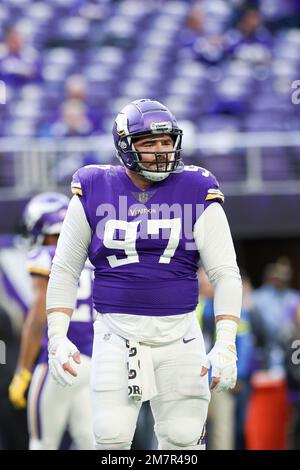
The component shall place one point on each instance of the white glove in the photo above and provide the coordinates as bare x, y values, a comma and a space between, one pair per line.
61, 349
222, 358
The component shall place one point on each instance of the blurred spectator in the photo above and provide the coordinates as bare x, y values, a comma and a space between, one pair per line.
73, 122
198, 43
249, 31
291, 344
19, 63
227, 410
269, 401
271, 310
76, 88
194, 26
244, 346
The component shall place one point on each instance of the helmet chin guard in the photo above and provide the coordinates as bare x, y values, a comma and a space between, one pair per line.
153, 176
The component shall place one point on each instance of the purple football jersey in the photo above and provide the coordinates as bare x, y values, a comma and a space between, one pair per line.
81, 326
14, 282
142, 243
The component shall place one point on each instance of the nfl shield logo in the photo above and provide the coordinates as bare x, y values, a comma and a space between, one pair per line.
143, 197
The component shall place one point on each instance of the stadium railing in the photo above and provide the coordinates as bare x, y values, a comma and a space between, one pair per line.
245, 163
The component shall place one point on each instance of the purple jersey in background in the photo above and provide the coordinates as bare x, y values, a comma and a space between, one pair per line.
142, 243
81, 326
15, 288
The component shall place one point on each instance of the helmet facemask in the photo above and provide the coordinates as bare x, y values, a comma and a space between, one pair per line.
164, 162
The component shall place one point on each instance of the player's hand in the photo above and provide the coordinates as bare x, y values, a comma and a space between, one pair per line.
222, 359
18, 387
61, 349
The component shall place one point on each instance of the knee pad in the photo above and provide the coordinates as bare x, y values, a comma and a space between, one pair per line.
186, 434
111, 431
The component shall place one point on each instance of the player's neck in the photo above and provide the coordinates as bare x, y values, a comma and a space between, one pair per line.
138, 180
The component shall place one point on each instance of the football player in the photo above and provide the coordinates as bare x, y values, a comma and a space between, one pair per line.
52, 409
144, 225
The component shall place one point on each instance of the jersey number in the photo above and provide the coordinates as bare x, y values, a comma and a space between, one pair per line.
128, 245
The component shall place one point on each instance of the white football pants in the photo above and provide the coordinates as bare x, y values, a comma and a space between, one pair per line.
52, 409
179, 407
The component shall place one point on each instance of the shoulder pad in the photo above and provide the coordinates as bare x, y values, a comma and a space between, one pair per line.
40, 260
209, 183
84, 175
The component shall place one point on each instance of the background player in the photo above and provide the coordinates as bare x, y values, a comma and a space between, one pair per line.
52, 409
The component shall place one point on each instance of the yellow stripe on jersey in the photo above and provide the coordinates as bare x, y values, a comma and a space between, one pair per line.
76, 191
41, 271
210, 197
